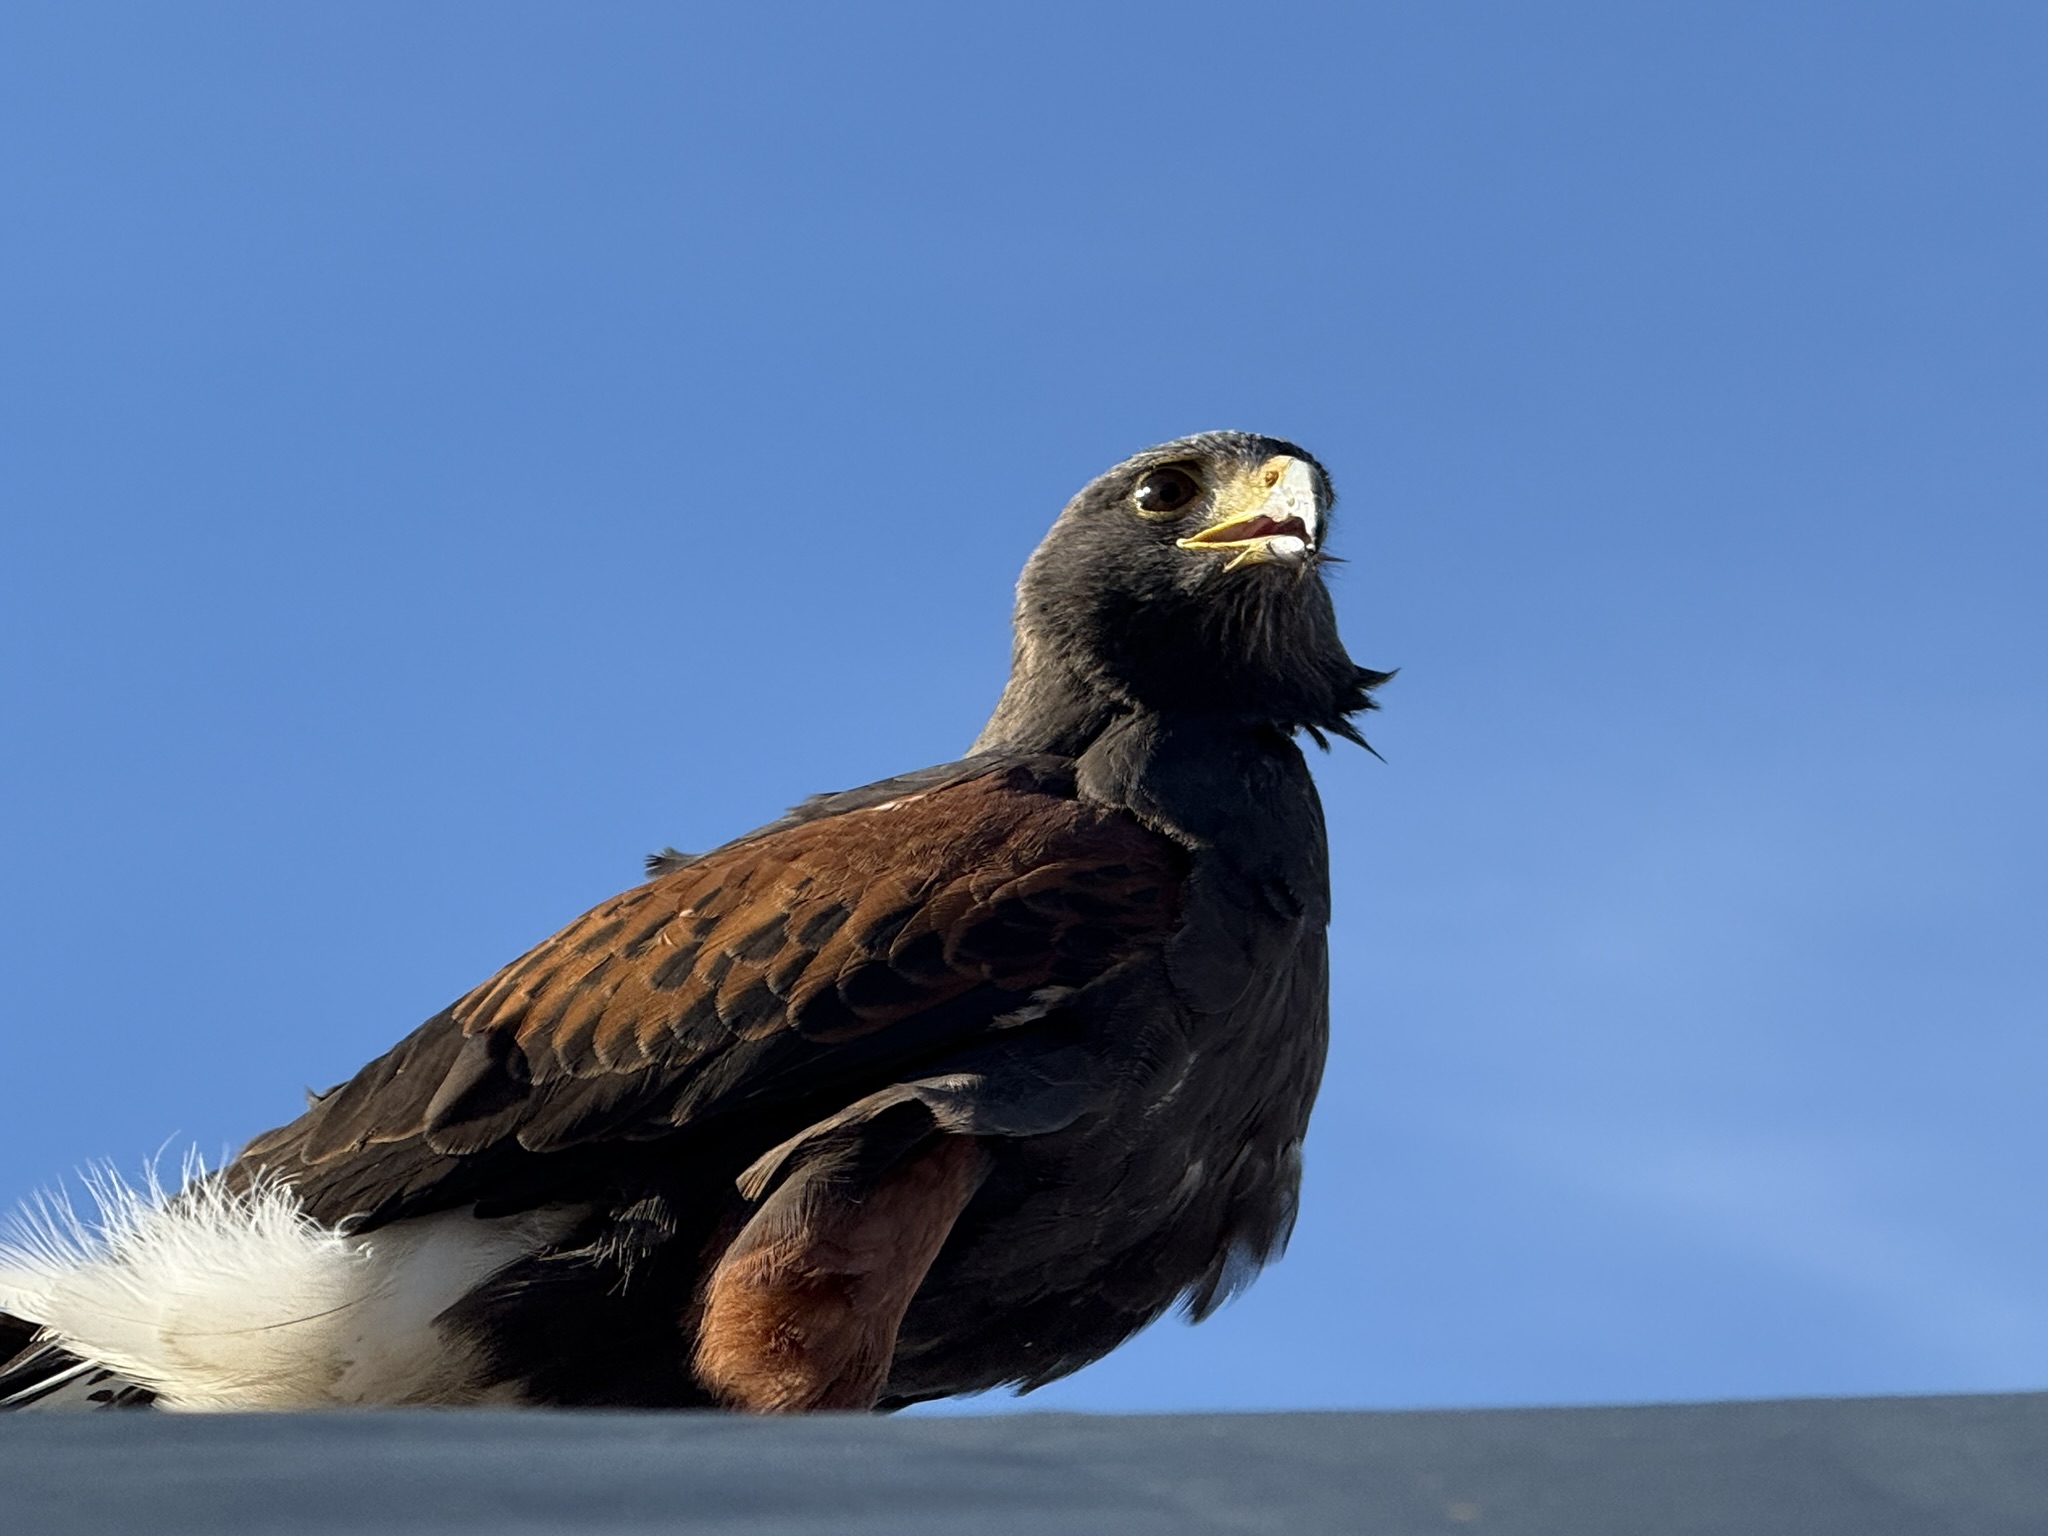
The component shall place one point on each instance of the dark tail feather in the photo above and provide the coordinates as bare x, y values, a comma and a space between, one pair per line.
38, 1374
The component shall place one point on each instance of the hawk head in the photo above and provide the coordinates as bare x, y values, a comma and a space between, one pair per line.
1186, 579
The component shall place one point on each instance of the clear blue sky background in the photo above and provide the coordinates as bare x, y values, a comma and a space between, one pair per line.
450, 449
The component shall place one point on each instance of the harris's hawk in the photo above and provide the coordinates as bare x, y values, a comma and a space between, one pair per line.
946, 1083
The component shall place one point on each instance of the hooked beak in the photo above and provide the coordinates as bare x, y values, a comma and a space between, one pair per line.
1270, 517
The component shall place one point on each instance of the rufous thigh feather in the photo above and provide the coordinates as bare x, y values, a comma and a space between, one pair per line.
808, 1320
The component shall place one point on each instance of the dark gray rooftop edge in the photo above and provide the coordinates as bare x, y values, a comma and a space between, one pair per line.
1973, 1466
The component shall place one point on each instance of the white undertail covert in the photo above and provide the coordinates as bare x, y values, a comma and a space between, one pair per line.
219, 1300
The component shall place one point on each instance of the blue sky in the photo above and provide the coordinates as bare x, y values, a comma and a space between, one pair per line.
449, 450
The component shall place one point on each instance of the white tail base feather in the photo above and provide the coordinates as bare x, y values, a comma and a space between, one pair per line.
220, 1300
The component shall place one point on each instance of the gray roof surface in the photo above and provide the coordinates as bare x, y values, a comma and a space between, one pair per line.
1974, 1466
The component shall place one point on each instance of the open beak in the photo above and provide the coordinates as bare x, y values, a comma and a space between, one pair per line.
1270, 517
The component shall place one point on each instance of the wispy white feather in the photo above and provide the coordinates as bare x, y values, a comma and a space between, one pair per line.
237, 1299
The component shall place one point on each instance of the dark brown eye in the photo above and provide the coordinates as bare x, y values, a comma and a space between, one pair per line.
1166, 490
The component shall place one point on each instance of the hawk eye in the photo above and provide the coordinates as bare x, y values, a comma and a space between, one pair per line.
1166, 490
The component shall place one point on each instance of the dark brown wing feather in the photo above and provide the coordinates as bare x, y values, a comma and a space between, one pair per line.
793, 970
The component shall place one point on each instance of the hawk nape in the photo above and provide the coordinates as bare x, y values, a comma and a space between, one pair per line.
947, 1083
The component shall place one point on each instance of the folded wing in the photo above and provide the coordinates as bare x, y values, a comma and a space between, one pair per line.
747, 993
